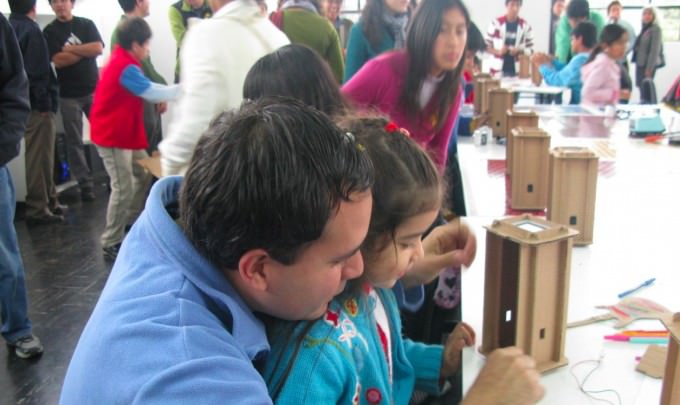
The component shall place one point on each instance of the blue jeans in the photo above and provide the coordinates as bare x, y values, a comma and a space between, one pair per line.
13, 302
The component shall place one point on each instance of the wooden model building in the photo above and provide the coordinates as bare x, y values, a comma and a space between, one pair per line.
670, 393
477, 89
529, 182
536, 77
500, 101
526, 288
571, 194
482, 94
515, 119
524, 66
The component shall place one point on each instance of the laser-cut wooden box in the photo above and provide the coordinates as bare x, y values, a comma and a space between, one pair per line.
500, 101
536, 77
571, 195
477, 89
524, 66
526, 288
515, 119
529, 181
482, 94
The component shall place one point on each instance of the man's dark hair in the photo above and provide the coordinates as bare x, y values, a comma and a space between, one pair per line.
21, 6
578, 9
127, 5
133, 30
510, 1
612, 4
587, 32
270, 176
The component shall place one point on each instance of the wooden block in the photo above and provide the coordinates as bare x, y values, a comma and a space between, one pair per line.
670, 391
524, 66
529, 183
572, 188
500, 101
526, 288
515, 119
482, 94
477, 89
536, 77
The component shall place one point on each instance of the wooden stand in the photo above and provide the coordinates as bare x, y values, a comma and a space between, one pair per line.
536, 77
526, 288
571, 194
529, 183
514, 120
478, 90
670, 392
482, 94
500, 101
524, 66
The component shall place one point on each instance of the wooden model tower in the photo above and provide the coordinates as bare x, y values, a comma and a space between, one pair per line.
524, 66
477, 89
571, 194
526, 288
670, 391
500, 101
482, 94
536, 77
515, 119
529, 182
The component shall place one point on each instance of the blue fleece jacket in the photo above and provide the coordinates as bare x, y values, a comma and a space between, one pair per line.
341, 359
168, 327
566, 75
359, 51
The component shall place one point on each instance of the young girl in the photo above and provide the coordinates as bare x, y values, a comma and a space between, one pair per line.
419, 87
382, 27
355, 353
601, 74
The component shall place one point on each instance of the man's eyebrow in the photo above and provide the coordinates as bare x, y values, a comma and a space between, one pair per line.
346, 256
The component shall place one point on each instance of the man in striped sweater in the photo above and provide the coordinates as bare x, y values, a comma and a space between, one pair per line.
508, 36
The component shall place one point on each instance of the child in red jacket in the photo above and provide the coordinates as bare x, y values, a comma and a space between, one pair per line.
117, 128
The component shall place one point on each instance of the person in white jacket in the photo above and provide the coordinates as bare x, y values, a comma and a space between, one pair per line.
215, 58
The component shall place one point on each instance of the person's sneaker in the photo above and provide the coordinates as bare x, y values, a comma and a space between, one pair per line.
44, 220
111, 252
27, 347
59, 209
86, 194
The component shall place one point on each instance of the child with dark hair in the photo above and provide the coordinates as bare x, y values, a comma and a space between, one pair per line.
117, 127
556, 73
508, 36
295, 71
601, 73
355, 354
577, 11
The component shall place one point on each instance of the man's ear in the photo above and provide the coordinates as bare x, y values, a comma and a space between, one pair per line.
252, 268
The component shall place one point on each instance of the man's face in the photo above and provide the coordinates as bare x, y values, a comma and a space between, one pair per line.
63, 9
615, 12
512, 10
195, 3
143, 6
302, 290
558, 8
333, 10
575, 44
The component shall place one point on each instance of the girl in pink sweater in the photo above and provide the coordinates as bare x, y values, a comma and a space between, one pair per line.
419, 87
601, 74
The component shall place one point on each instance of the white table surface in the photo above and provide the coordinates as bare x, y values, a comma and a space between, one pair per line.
636, 237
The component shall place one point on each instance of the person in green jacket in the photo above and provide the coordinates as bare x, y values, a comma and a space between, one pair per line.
179, 14
152, 112
577, 11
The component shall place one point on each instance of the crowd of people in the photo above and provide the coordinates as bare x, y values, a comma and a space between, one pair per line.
304, 207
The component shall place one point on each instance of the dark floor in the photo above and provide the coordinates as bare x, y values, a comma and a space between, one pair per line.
65, 273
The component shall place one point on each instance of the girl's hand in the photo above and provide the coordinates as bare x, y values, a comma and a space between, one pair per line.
462, 336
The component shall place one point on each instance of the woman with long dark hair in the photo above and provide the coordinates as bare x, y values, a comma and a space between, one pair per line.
648, 48
382, 27
420, 87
